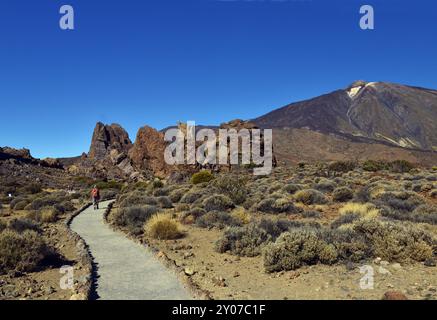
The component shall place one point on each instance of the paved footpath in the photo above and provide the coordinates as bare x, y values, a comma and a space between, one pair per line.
125, 269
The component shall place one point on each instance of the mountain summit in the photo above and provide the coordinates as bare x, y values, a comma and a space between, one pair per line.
399, 115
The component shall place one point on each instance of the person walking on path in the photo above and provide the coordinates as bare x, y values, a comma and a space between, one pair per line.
95, 195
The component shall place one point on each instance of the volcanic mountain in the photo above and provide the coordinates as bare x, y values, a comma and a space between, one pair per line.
388, 113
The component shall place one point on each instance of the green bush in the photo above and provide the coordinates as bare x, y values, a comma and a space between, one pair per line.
218, 202
401, 166
310, 196
375, 165
232, 186
201, 177
342, 166
342, 194
21, 251
102, 185
243, 241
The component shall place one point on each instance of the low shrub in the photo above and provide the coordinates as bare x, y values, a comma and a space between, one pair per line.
162, 227
375, 165
422, 214
201, 177
433, 193
135, 199
102, 185
365, 239
345, 219
241, 215
342, 166
310, 196
3, 226
21, 252
33, 188
296, 248
177, 194
395, 242
21, 225
20, 205
243, 241
325, 186
49, 215
232, 186
292, 188
134, 217
164, 202
191, 197
401, 166
311, 214
366, 211
218, 203
342, 194
217, 219
272, 205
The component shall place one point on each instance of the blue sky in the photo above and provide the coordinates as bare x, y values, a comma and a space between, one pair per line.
154, 62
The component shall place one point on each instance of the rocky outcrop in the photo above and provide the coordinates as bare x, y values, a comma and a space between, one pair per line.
19, 154
108, 155
147, 153
107, 138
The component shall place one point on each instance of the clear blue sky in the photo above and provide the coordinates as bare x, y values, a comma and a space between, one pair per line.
154, 62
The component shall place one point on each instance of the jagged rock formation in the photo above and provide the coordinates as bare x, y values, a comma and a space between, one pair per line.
107, 138
147, 153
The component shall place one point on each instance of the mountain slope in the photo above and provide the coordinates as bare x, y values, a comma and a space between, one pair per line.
400, 115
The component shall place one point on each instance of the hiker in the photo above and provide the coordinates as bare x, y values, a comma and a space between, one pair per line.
95, 194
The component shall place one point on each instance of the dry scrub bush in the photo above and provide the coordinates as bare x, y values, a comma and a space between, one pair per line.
217, 219
279, 205
365, 211
163, 227
232, 186
342, 194
218, 202
244, 241
241, 215
296, 248
133, 217
49, 215
21, 251
310, 196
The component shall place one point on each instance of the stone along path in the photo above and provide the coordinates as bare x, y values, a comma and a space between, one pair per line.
125, 269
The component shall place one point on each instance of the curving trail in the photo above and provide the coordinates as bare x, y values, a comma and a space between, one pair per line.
125, 269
